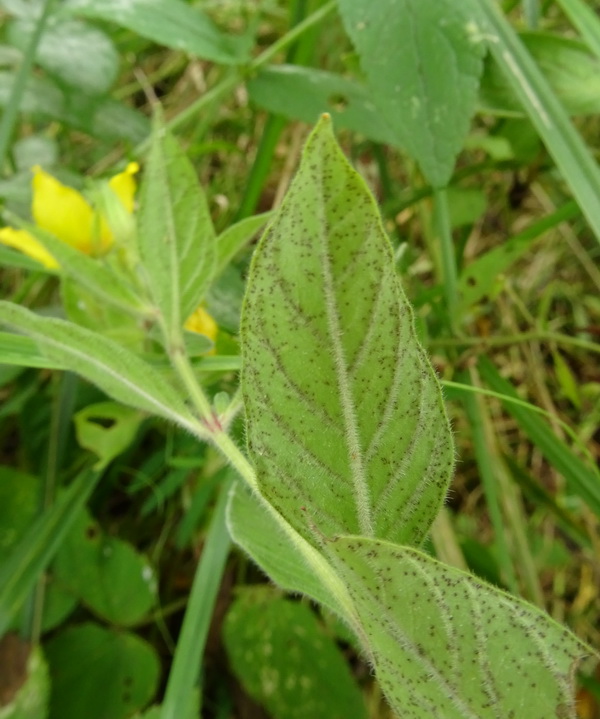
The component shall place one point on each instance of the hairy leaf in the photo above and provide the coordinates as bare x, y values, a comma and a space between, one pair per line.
346, 424
447, 645
176, 234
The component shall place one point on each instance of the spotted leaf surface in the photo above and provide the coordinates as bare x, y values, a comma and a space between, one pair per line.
346, 423
449, 646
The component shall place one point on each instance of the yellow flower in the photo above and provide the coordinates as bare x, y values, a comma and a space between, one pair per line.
67, 215
202, 323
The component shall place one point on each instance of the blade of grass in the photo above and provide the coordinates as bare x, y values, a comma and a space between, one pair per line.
531, 10
32, 555
24, 352
572, 157
581, 479
480, 433
185, 670
585, 20
444, 233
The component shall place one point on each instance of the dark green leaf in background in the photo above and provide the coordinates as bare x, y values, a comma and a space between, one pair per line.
100, 674
422, 64
286, 661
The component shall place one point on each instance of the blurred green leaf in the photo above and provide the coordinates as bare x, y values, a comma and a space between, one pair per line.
106, 429
21, 662
105, 573
236, 237
585, 19
74, 52
174, 24
100, 674
30, 557
19, 504
303, 93
422, 64
571, 70
286, 661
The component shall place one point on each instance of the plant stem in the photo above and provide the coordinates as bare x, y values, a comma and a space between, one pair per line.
444, 232
18, 89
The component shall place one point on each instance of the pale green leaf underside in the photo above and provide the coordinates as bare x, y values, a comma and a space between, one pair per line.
118, 372
260, 535
448, 646
422, 67
346, 423
176, 234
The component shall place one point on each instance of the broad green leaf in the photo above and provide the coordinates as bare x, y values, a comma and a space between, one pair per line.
74, 52
345, 420
176, 234
303, 93
118, 372
236, 237
174, 24
286, 661
260, 535
105, 573
24, 681
422, 64
445, 644
97, 673
571, 70
36, 549
107, 429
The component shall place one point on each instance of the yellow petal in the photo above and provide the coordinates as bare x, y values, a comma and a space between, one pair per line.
28, 245
65, 213
202, 323
124, 185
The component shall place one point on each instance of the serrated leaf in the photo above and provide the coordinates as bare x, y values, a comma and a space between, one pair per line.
118, 372
176, 234
286, 661
422, 67
346, 423
447, 645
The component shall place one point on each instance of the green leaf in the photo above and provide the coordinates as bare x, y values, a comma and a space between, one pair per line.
76, 53
445, 644
571, 70
19, 502
585, 20
236, 237
118, 372
422, 65
176, 234
97, 673
39, 545
345, 420
29, 700
259, 533
303, 93
105, 573
107, 429
23, 351
174, 24
286, 661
